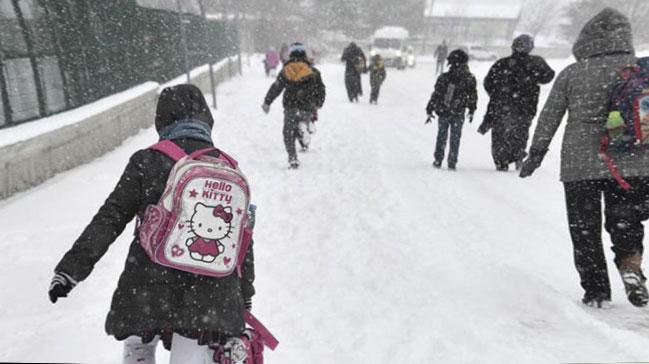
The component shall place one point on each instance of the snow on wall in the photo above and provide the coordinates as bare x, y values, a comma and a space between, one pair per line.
33, 152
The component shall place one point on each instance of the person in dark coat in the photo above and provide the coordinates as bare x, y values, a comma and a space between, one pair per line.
513, 87
455, 93
304, 94
603, 48
355, 64
377, 76
153, 301
441, 52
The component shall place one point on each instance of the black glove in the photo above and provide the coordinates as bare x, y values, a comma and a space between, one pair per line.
532, 162
247, 303
429, 119
61, 285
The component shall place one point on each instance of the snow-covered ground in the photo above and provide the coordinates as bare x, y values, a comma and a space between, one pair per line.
366, 254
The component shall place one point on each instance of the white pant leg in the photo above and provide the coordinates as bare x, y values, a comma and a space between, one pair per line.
135, 352
186, 351
305, 137
310, 126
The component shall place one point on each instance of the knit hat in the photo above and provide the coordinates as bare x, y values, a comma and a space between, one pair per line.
457, 57
524, 43
297, 50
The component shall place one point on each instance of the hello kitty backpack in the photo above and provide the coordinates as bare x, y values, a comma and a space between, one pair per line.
200, 225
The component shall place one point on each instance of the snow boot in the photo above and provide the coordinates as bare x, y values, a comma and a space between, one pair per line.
597, 300
437, 164
451, 167
502, 167
293, 163
634, 281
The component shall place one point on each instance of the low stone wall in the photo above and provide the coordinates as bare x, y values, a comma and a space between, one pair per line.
86, 136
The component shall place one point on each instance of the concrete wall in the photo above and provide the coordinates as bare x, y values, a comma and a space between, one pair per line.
30, 162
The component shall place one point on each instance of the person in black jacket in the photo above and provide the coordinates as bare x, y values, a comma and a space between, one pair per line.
355, 64
304, 94
152, 301
455, 93
513, 87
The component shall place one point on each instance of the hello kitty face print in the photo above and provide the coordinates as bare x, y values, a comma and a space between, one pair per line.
209, 225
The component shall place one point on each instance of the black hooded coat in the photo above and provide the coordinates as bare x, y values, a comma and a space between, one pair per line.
513, 87
151, 299
355, 64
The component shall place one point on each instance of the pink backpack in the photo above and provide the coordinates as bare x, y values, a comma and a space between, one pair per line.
200, 224
249, 347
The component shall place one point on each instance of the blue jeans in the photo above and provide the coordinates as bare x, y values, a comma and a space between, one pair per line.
455, 124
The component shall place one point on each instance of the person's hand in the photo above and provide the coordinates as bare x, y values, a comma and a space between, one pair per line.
429, 119
247, 303
62, 284
532, 162
266, 108
470, 117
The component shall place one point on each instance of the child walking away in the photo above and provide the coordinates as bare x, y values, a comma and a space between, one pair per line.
271, 61
455, 92
377, 76
188, 277
304, 94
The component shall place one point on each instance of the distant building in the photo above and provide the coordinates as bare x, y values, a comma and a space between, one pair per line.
472, 21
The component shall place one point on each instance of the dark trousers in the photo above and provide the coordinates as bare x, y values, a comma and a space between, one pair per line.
624, 212
292, 130
374, 95
509, 139
455, 124
353, 85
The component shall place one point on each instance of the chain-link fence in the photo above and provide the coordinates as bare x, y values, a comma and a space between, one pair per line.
56, 55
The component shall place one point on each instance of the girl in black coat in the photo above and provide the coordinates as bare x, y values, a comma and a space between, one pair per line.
151, 301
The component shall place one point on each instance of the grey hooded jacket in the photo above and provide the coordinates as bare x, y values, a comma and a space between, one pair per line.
583, 89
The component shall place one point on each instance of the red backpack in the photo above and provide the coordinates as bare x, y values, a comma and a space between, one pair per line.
627, 127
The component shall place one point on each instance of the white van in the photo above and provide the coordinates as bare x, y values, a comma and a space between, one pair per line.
390, 43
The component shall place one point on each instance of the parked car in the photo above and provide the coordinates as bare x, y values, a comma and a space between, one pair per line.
480, 53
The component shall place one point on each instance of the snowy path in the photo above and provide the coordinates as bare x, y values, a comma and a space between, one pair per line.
366, 254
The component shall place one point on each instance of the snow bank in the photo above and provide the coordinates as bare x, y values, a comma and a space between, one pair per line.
35, 128
35, 151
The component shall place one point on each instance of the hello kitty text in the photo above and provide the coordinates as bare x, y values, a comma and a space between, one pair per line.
217, 191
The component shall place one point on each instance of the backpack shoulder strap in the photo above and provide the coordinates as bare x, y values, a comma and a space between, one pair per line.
222, 155
267, 338
170, 149
228, 158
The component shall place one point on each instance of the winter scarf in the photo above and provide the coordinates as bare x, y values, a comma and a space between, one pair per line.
188, 128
